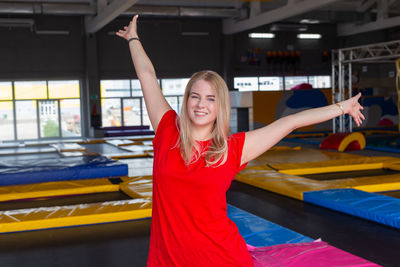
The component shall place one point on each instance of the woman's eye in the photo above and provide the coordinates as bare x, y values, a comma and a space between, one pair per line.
211, 99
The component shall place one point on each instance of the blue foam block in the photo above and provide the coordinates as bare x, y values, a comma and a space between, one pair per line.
374, 207
59, 169
260, 232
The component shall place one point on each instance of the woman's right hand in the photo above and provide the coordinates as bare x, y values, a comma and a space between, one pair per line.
129, 31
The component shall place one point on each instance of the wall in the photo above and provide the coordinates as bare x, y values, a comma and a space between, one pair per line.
311, 52
27, 55
172, 53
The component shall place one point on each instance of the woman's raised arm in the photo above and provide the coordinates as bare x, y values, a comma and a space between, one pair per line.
260, 140
155, 100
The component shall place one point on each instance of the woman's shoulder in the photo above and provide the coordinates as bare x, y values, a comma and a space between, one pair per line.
167, 126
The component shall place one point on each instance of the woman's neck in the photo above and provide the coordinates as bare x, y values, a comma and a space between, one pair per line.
201, 133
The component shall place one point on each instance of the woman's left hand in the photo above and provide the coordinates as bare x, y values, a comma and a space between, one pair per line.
353, 108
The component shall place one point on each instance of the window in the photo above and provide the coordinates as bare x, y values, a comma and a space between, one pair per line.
292, 81
246, 83
270, 83
320, 81
122, 102
43, 109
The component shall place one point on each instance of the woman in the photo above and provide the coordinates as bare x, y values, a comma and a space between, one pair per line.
195, 160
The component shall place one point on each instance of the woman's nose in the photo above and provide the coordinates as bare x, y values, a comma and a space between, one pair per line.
200, 103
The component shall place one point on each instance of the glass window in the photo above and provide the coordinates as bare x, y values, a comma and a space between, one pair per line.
270, 83
131, 109
115, 88
111, 112
320, 81
146, 119
173, 102
292, 81
30, 90
5, 91
70, 117
6, 120
174, 86
246, 83
180, 98
26, 119
136, 88
48, 118
63, 89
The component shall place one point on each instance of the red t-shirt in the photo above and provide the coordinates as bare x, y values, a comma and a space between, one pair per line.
190, 226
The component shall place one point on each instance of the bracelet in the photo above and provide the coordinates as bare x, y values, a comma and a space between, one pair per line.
133, 38
341, 108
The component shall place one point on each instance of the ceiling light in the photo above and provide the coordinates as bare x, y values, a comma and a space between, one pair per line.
309, 36
309, 21
288, 27
52, 32
261, 35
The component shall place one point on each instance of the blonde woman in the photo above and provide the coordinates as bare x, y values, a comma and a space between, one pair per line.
195, 160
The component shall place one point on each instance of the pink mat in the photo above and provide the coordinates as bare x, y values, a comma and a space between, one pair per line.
315, 253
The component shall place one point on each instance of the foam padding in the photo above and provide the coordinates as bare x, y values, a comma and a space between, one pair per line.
260, 232
286, 183
374, 207
138, 187
52, 189
59, 169
277, 158
74, 215
335, 165
344, 141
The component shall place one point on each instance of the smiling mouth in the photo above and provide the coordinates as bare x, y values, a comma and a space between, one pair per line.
200, 113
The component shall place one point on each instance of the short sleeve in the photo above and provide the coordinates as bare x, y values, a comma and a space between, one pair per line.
236, 147
166, 126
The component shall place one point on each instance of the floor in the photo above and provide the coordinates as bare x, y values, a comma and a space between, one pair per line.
126, 243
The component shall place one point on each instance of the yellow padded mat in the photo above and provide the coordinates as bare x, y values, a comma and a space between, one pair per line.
138, 187
279, 171
74, 215
61, 188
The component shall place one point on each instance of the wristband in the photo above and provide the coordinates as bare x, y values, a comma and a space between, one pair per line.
341, 108
133, 38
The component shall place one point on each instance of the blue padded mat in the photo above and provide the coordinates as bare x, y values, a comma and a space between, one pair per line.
59, 169
260, 232
374, 207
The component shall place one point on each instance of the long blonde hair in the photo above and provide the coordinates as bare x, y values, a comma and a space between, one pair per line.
217, 152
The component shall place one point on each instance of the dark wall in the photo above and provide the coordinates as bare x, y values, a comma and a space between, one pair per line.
172, 53
372, 37
27, 55
311, 51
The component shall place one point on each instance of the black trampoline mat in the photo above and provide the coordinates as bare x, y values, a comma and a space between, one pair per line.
394, 193
350, 174
63, 200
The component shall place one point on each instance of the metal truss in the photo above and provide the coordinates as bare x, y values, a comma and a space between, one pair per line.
342, 60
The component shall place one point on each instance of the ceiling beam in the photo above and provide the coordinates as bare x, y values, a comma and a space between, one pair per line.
366, 5
292, 8
350, 29
107, 14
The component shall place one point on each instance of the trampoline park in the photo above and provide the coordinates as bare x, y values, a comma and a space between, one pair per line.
76, 167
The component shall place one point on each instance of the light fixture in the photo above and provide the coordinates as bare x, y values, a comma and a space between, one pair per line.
309, 36
52, 32
14, 23
309, 21
266, 35
288, 27
195, 33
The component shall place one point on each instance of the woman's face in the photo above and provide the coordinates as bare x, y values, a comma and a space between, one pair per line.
201, 104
